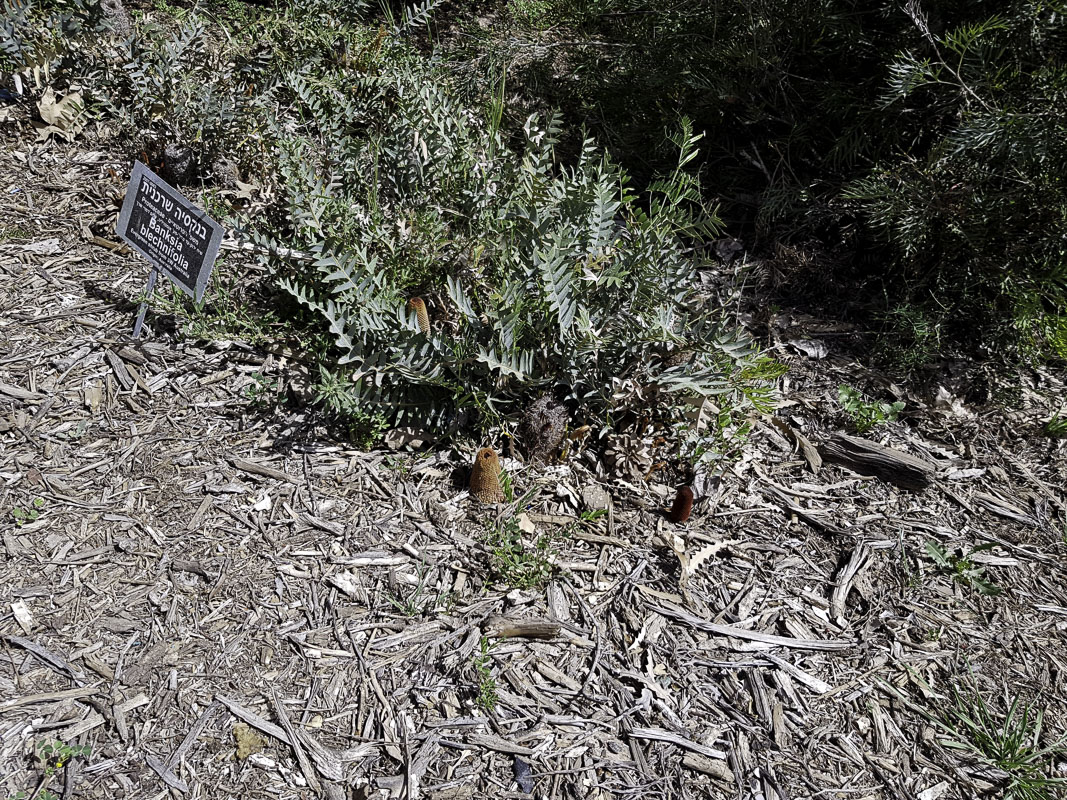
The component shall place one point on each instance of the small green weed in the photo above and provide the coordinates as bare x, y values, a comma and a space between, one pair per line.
865, 414
264, 393
52, 756
9, 232
532, 11
512, 561
1011, 744
399, 466
417, 601
410, 603
24, 516
487, 698
224, 312
507, 486
963, 569
908, 571
1056, 427
1056, 336
363, 427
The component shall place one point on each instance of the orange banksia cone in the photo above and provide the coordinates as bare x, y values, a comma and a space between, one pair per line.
683, 505
421, 313
485, 477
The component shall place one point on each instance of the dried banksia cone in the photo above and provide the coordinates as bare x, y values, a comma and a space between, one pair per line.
423, 315
683, 505
485, 477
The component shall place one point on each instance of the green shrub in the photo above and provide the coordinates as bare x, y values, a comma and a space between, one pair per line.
539, 276
546, 276
920, 143
39, 38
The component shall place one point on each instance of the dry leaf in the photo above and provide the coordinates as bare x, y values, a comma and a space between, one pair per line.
23, 615
61, 117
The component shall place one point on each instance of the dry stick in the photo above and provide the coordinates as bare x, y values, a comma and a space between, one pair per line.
596, 650
301, 757
262, 470
503, 628
856, 564
168, 777
412, 789
45, 780
48, 697
680, 614
194, 733
1036, 481
50, 659
328, 763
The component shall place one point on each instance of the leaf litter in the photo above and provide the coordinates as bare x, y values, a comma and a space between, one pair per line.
220, 602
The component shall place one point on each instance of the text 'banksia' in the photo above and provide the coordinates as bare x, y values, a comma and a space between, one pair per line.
485, 477
419, 306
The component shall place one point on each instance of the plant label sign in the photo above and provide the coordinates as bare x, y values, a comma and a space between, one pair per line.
178, 239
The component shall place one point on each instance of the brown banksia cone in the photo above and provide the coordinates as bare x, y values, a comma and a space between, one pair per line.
485, 477
683, 505
423, 315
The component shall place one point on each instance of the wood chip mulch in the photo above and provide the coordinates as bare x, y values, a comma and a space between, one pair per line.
221, 603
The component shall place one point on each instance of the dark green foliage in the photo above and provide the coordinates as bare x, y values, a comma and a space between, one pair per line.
922, 143
547, 276
38, 37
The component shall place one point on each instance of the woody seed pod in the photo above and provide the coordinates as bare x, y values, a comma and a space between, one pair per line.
683, 505
485, 477
421, 313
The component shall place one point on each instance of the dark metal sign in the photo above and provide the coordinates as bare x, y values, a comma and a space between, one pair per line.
178, 239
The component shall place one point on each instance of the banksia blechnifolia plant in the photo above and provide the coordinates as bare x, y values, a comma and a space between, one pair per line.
541, 309
485, 477
683, 505
419, 305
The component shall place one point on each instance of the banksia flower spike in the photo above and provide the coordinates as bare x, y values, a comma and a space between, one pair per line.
423, 315
683, 505
485, 477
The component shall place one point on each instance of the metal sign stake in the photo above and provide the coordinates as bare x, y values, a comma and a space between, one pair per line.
144, 306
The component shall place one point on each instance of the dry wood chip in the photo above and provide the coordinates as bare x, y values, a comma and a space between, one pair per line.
1003, 508
656, 734
506, 628
372, 559
680, 614
294, 741
51, 697
17, 393
69, 734
262, 470
490, 742
846, 576
192, 567
122, 375
194, 733
804, 515
556, 676
810, 681
54, 661
870, 458
169, 778
328, 762
715, 769
807, 449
